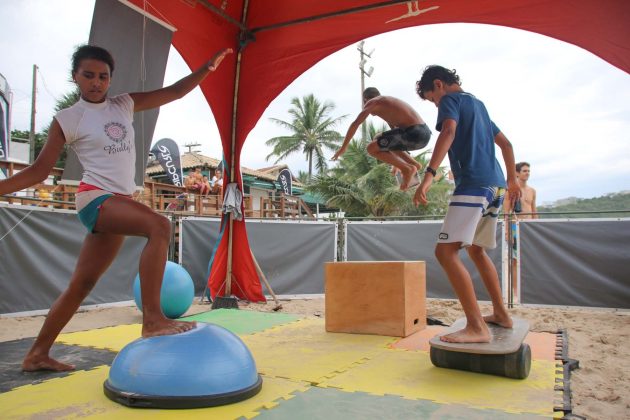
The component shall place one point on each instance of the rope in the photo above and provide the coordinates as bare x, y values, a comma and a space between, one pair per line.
16, 225
41, 200
164, 18
143, 77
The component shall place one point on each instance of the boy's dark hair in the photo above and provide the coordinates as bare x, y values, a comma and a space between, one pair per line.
520, 165
433, 72
86, 52
371, 93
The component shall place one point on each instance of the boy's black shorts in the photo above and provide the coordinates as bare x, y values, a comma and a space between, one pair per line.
413, 137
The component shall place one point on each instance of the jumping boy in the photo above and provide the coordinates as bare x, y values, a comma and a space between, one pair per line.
408, 132
469, 136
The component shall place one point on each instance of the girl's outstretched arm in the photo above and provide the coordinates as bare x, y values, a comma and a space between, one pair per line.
40, 169
156, 98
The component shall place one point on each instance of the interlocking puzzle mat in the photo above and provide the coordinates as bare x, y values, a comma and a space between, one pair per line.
307, 373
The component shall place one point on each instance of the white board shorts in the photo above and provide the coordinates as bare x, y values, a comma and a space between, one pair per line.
472, 217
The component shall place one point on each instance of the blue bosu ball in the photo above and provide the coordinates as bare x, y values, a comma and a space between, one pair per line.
204, 367
177, 292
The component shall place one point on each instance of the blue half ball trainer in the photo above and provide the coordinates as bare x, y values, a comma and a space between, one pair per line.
204, 367
177, 293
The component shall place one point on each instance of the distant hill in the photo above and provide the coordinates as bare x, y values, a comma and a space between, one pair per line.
606, 203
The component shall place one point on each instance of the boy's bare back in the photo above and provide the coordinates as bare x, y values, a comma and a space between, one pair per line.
395, 112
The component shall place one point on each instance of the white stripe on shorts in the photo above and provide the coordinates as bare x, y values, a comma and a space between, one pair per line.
472, 217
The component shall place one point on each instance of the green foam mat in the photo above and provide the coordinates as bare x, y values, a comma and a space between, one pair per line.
331, 404
243, 322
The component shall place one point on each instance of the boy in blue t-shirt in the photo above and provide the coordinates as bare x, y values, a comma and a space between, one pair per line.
469, 137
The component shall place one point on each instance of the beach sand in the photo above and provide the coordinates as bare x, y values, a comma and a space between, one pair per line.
599, 339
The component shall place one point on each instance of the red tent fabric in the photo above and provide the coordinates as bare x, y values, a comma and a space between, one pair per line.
280, 39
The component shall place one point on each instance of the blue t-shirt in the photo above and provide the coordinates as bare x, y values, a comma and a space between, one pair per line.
472, 154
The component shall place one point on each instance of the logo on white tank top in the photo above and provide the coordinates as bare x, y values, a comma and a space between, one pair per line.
116, 131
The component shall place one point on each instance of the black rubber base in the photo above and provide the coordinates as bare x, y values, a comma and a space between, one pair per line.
512, 365
223, 302
153, 401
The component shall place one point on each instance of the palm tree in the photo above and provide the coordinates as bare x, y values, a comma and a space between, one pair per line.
311, 132
68, 99
302, 177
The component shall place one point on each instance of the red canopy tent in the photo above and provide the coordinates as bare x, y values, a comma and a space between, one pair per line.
277, 40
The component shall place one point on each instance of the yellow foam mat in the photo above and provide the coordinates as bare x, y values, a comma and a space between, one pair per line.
81, 395
411, 375
303, 350
110, 338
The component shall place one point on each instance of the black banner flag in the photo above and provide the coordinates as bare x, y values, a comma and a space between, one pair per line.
284, 179
166, 151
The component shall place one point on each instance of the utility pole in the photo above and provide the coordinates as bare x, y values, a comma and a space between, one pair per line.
190, 146
368, 73
31, 135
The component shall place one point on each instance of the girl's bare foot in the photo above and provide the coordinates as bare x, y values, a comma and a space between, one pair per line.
502, 320
165, 327
36, 363
468, 335
408, 174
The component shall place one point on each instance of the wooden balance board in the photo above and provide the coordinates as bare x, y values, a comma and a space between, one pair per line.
504, 340
505, 355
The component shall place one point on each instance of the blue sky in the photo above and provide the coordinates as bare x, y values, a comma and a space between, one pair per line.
566, 111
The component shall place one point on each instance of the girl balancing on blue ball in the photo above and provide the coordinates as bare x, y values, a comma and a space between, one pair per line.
100, 131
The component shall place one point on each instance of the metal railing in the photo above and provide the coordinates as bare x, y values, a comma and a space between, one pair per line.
159, 196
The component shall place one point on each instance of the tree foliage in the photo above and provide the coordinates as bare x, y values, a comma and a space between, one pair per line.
311, 132
40, 138
609, 202
302, 177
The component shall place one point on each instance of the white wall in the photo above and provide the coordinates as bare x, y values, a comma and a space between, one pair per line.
255, 195
19, 152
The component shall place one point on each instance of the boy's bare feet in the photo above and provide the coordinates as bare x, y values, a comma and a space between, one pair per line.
468, 335
502, 320
36, 363
165, 327
408, 174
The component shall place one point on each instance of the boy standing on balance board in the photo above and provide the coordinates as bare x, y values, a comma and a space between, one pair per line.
469, 137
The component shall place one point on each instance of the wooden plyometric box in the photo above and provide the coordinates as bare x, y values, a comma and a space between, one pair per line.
376, 297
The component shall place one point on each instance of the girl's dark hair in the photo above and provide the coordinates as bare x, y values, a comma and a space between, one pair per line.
85, 52
431, 73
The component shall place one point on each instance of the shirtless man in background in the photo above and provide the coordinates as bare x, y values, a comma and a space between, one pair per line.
408, 132
526, 209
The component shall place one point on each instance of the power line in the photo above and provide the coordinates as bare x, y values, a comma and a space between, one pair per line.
52, 95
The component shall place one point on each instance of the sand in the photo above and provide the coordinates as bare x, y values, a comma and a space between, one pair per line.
599, 339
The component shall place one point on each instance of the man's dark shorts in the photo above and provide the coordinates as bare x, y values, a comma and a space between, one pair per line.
410, 138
